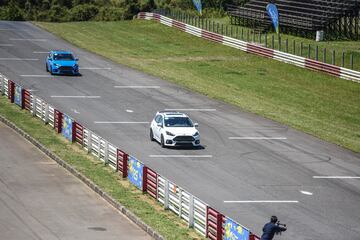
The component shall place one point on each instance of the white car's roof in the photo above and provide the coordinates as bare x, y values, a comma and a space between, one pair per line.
172, 114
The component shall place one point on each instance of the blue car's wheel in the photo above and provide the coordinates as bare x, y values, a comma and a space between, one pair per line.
47, 68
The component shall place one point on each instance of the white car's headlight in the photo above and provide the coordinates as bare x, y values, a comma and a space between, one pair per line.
169, 133
196, 134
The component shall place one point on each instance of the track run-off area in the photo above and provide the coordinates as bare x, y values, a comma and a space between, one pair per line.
249, 167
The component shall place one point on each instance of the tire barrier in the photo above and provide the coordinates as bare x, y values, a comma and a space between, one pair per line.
150, 179
214, 224
78, 132
207, 221
334, 70
122, 166
11, 91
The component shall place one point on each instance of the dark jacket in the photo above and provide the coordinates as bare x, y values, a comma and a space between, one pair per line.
270, 229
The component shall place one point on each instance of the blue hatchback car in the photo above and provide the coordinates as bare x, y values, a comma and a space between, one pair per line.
62, 62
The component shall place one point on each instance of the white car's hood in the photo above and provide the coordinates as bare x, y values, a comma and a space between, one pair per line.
187, 131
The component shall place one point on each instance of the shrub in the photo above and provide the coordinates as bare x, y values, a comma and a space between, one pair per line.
83, 12
110, 14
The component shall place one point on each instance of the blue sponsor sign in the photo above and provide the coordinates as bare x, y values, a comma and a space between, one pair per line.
234, 231
135, 172
18, 95
67, 127
198, 5
274, 15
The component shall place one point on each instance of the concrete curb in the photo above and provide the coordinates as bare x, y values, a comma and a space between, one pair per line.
85, 180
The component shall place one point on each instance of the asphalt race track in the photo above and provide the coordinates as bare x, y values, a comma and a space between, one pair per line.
41, 200
249, 169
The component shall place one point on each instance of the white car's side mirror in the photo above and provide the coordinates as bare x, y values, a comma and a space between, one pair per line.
159, 124
196, 125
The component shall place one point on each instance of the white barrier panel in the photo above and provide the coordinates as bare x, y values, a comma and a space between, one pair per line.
200, 216
95, 145
161, 189
87, 140
112, 156
1, 84
6, 87
51, 116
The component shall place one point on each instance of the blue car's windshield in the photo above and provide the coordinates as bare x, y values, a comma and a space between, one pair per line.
64, 57
178, 122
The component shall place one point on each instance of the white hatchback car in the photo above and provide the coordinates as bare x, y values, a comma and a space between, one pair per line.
174, 129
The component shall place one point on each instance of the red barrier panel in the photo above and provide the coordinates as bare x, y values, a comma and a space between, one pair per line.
26, 100
11, 91
58, 119
122, 163
179, 25
253, 237
150, 182
214, 224
78, 133
258, 50
212, 36
323, 67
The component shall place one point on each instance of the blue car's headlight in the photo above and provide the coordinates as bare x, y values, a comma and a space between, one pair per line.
56, 65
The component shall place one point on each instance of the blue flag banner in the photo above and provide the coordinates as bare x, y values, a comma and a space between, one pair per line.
234, 231
198, 5
274, 15
18, 96
67, 127
135, 172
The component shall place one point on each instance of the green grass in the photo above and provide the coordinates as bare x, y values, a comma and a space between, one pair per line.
164, 222
313, 102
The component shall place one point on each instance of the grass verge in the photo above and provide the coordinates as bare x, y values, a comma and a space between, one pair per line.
316, 103
164, 222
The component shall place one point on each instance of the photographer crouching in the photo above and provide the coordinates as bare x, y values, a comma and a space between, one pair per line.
272, 228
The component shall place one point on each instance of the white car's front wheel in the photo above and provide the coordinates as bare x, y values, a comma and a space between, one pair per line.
162, 143
151, 135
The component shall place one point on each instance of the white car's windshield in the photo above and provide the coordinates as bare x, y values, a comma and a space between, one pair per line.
64, 57
178, 122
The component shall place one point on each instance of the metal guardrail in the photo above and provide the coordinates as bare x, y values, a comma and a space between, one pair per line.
192, 210
334, 70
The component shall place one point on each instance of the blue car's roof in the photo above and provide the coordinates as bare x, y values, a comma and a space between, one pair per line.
60, 52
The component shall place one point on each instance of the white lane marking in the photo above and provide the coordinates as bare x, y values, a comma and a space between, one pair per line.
28, 39
40, 52
143, 87
19, 59
337, 177
129, 111
76, 96
6, 45
95, 68
38, 76
180, 156
264, 201
257, 138
306, 193
105, 122
75, 111
32, 90
191, 109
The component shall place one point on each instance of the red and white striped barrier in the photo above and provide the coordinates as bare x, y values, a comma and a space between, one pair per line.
255, 49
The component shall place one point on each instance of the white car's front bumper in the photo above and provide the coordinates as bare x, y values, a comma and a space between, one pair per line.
182, 140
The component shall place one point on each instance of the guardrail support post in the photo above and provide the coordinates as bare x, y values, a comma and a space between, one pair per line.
34, 105
46, 113
324, 57
333, 57
89, 141
317, 53
106, 153
166, 194
180, 202
191, 211
2, 85
343, 59
99, 147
